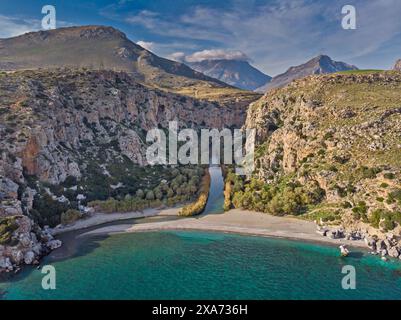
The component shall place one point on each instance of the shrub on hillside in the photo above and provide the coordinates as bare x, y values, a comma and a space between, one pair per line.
70, 216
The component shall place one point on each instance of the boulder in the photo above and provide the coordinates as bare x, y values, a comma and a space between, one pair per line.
381, 245
390, 236
393, 252
322, 232
344, 251
371, 243
5, 264
387, 244
25, 240
331, 234
29, 257
17, 256
37, 249
54, 244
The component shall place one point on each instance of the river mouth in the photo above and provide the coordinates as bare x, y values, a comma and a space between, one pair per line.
214, 205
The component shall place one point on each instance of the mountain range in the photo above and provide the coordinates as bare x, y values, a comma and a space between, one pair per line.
90, 46
321, 64
106, 48
237, 73
102, 47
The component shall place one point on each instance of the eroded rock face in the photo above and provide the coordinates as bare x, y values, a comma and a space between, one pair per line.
318, 130
23, 247
80, 112
55, 124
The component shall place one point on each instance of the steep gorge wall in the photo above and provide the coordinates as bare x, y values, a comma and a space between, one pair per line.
341, 132
56, 124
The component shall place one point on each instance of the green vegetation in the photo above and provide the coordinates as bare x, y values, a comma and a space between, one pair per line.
70, 216
227, 196
199, 205
47, 211
332, 215
366, 71
368, 173
181, 186
395, 195
360, 210
385, 219
129, 204
389, 175
7, 227
284, 197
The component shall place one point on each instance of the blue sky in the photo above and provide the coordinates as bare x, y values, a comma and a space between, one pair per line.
273, 35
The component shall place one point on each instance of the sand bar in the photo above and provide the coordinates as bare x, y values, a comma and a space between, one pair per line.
235, 221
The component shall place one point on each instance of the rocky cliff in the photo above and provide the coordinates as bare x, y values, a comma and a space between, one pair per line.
329, 149
64, 126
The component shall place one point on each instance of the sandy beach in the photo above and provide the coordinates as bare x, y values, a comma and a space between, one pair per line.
102, 218
233, 221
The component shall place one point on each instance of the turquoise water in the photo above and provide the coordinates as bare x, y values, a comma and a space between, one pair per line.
199, 265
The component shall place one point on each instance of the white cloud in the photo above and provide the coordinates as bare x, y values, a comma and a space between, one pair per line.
11, 26
286, 32
177, 56
146, 45
216, 54
15, 26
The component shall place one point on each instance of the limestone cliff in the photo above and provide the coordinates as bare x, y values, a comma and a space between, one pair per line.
65, 125
341, 133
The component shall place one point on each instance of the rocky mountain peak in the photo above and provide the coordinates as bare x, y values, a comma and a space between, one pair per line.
238, 73
322, 64
95, 47
82, 32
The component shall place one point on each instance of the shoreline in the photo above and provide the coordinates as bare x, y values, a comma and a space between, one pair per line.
99, 219
234, 221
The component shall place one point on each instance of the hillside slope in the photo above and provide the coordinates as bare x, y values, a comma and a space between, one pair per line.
106, 48
73, 136
89, 46
237, 73
328, 147
319, 65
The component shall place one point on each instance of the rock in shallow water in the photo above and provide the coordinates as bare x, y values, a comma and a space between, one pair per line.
393, 252
54, 244
344, 251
